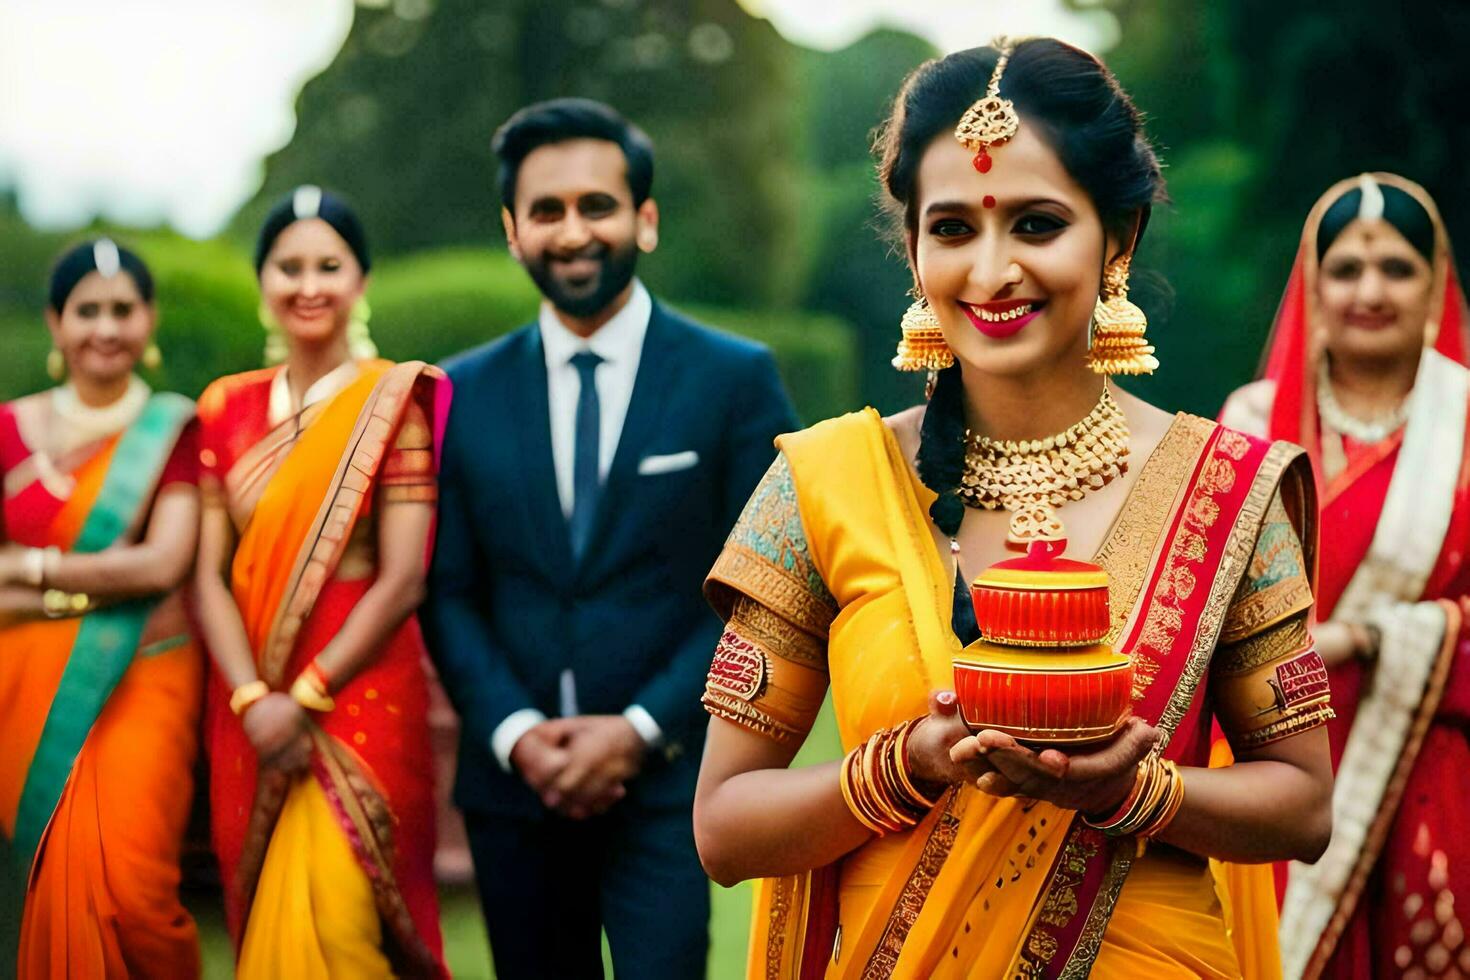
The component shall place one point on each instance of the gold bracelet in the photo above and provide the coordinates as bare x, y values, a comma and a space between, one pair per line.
305, 692
247, 694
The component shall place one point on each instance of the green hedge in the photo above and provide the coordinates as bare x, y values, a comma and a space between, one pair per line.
427, 305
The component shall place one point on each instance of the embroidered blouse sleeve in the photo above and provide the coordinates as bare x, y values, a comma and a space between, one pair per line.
769, 673
1267, 681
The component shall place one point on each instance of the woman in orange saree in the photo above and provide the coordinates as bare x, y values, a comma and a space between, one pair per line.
100, 682
1365, 368
987, 859
319, 484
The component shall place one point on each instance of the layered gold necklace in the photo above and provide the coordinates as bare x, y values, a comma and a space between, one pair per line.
1030, 478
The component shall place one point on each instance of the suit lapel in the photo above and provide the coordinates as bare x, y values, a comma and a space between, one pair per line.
534, 433
645, 411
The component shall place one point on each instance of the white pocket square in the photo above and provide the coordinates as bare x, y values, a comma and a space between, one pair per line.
672, 463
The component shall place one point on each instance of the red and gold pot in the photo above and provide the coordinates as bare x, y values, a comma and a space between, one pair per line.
1041, 673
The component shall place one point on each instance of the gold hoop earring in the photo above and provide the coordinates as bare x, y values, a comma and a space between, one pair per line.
1118, 344
152, 358
923, 347
56, 365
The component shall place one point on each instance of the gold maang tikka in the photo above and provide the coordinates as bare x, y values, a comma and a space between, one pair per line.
1118, 342
992, 120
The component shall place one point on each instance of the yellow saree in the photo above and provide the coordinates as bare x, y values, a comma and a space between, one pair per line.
835, 547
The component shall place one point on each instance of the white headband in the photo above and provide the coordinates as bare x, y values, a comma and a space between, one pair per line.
105, 256
1371, 207
306, 202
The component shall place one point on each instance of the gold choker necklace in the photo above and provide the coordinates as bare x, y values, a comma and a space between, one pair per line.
1032, 477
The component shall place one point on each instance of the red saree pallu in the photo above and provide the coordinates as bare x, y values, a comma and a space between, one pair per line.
304, 493
98, 719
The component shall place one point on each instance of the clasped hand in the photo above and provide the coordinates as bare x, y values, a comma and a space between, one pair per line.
579, 766
276, 727
1094, 780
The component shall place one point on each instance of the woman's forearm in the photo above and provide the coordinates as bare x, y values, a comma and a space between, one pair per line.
157, 564
376, 617
771, 822
19, 603
224, 630
1255, 811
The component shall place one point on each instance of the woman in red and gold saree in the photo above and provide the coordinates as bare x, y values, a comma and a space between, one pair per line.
100, 682
319, 484
846, 574
1366, 370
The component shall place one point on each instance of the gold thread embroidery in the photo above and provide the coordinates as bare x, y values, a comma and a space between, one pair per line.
778, 637
1257, 611
1279, 640
1129, 546
1302, 721
915, 891
1238, 547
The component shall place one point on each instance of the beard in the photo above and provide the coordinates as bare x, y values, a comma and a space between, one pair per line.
585, 295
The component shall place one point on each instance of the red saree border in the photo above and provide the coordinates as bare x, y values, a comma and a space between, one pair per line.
1216, 526
1377, 834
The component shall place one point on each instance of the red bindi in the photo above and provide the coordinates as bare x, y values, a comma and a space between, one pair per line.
988, 201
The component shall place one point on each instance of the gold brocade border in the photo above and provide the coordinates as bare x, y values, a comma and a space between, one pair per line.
1238, 549
915, 891
1090, 943
783, 900
744, 571
1128, 547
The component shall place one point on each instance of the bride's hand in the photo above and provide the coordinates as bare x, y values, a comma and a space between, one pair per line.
930, 746
1093, 782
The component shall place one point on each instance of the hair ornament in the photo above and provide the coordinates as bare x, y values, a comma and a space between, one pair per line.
306, 202
106, 257
1371, 207
992, 120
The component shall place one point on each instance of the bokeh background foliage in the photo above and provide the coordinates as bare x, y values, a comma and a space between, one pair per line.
767, 194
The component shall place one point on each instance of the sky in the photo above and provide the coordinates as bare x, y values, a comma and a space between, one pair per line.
163, 111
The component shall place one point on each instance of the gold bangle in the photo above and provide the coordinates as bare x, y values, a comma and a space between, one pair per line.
247, 694
306, 693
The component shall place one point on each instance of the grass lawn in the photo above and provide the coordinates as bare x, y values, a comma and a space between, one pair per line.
466, 947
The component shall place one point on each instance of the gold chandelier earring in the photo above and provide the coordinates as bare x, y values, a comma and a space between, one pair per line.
923, 347
56, 365
1118, 344
152, 358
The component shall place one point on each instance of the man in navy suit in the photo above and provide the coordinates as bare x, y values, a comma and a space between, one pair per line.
593, 463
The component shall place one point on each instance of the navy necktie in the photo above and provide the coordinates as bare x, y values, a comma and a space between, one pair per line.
586, 485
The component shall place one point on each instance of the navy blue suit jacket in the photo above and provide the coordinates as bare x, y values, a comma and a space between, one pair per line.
509, 609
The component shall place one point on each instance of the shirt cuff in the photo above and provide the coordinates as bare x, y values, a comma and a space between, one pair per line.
503, 740
644, 725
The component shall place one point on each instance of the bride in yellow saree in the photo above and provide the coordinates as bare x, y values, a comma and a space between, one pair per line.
846, 571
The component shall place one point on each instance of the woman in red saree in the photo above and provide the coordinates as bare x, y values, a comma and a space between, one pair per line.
1365, 369
100, 682
319, 486
931, 852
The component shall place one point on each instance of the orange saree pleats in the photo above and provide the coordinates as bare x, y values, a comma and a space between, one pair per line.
112, 849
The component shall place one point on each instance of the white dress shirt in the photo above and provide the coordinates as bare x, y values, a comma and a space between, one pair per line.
619, 342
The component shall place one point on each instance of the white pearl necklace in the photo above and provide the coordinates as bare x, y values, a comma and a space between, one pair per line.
1361, 430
